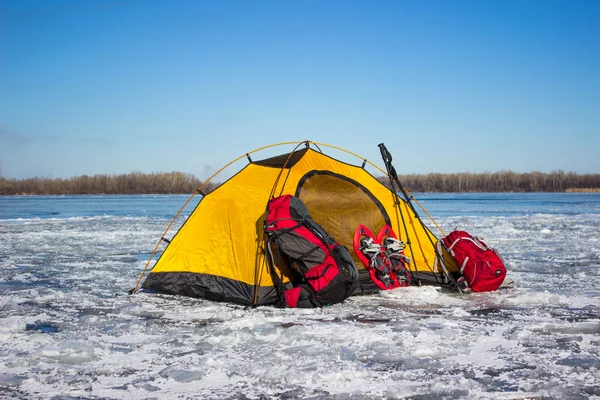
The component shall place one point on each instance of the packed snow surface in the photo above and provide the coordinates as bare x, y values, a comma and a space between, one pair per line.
69, 329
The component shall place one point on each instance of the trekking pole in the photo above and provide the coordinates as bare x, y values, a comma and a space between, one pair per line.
387, 160
393, 177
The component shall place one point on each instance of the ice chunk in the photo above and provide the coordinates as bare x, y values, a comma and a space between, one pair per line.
182, 375
45, 327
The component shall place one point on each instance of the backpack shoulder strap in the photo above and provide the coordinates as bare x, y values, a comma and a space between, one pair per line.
279, 286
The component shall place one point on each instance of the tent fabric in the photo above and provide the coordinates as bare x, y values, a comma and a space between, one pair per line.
333, 200
283, 160
218, 253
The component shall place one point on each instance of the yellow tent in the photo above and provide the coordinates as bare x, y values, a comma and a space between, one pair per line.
219, 252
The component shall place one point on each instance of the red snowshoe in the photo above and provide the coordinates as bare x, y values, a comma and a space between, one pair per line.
383, 256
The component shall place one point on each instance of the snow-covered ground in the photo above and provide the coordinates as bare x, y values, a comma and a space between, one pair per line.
68, 328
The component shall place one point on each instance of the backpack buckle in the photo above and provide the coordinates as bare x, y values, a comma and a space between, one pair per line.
463, 285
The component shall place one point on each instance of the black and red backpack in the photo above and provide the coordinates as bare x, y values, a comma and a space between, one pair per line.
481, 266
320, 270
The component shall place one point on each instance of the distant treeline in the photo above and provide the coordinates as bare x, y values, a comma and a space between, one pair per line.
134, 183
178, 182
503, 181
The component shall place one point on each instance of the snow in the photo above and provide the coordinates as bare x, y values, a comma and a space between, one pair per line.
540, 339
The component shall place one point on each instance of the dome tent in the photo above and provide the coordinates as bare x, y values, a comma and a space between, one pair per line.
219, 252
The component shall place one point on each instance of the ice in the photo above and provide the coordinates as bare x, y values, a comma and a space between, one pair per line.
181, 375
535, 299
74, 269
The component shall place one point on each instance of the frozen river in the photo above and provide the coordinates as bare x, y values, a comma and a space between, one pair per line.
68, 328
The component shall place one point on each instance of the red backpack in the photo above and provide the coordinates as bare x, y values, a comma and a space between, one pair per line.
482, 266
323, 271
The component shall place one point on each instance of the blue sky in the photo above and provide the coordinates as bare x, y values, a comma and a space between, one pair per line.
116, 86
